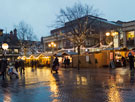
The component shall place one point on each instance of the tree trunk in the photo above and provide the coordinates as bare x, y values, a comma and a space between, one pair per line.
78, 57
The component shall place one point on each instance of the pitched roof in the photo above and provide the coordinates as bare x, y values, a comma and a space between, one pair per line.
11, 40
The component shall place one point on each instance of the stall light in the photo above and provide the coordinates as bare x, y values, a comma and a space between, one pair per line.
49, 45
54, 45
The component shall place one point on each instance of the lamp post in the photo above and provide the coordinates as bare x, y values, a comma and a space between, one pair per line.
52, 45
112, 35
4, 47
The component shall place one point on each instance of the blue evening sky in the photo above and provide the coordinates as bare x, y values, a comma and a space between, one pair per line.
41, 14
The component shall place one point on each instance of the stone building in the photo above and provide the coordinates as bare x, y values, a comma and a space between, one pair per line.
128, 29
12, 40
100, 27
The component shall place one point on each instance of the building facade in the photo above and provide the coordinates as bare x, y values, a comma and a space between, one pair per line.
128, 29
100, 27
13, 45
31, 47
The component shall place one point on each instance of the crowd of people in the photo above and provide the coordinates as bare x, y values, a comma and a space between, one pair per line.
124, 60
66, 62
11, 68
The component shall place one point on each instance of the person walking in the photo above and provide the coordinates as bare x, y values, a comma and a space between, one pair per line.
55, 66
123, 61
131, 60
16, 65
12, 71
65, 62
32, 63
21, 62
68, 62
3, 65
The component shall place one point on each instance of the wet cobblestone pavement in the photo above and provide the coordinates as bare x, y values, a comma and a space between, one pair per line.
70, 85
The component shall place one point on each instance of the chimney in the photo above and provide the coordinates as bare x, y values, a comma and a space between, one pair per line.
11, 34
1, 32
15, 32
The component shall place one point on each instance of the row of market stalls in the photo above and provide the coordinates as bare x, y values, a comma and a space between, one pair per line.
44, 59
119, 53
38, 60
100, 58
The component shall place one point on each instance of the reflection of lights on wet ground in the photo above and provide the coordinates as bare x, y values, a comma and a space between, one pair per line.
119, 79
7, 97
41, 75
84, 81
121, 71
78, 80
55, 100
81, 80
53, 86
113, 92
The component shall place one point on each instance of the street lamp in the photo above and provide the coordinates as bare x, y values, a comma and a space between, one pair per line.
112, 34
52, 45
4, 47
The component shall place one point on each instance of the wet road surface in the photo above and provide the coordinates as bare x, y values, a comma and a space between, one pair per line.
70, 85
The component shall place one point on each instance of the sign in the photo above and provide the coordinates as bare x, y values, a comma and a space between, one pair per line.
87, 58
116, 42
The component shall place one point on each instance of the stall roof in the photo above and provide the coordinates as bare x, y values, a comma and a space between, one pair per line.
47, 54
60, 54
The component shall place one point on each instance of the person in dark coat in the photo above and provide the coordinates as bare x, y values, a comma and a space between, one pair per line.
65, 62
3, 67
68, 62
55, 65
16, 65
32, 63
21, 62
131, 60
123, 61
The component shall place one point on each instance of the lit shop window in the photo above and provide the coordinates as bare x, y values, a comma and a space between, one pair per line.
16, 50
130, 35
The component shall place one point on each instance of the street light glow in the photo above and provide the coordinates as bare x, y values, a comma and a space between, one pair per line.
108, 34
49, 45
5, 46
52, 44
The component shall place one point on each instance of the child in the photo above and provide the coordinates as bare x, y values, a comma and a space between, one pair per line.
12, 71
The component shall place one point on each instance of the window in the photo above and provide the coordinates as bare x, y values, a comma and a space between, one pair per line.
16, 50
130, 35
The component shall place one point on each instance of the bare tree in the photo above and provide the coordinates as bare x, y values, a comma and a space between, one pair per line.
78, 21
25, 31
25, 34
